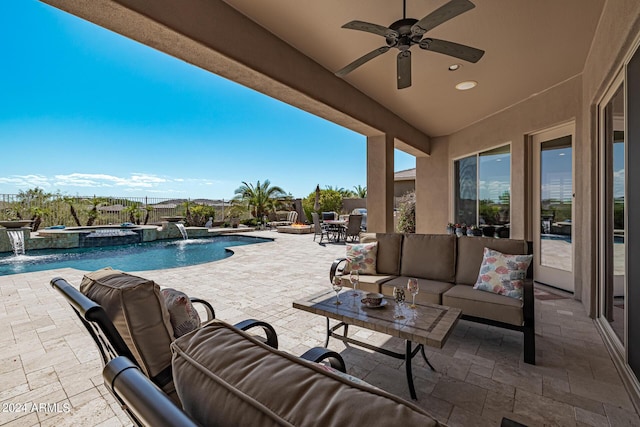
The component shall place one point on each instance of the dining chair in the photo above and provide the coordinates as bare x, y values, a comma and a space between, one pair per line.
352, 229
319, 229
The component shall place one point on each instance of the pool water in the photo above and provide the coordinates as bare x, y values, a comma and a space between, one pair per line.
154, 255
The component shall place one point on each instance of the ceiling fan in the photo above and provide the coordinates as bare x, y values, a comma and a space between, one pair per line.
406, 32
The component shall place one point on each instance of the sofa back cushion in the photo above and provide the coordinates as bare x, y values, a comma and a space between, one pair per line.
389, 251
224, 377
429, 256
471, 251
136, 308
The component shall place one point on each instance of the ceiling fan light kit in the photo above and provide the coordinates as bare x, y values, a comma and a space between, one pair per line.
407, 32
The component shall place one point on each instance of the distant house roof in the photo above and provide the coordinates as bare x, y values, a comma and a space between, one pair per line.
111, 208
405, 175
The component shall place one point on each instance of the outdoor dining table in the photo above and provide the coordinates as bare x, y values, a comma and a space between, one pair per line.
336, 228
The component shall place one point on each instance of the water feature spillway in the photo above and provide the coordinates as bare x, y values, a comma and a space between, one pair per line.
109, 237
183, 230
17, 241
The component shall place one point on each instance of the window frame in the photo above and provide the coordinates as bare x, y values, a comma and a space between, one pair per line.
477, 154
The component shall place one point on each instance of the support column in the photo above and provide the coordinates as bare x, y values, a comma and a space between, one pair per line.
380, 184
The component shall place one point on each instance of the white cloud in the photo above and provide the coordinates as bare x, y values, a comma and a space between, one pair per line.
106, 184
618, 183
27, 181
493, 189
135, 181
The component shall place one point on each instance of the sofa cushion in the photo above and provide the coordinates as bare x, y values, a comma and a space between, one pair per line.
430, 290
367, 283
503, 274
389, 251
471, 252
137, 310
225, 377
184, 317
362, 257
429, 256
474, 302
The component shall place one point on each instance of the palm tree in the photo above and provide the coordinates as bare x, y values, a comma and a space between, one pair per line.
95, 203
259, 199
361, 191
343, 191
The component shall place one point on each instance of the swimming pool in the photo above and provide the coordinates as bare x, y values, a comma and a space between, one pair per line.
154, 255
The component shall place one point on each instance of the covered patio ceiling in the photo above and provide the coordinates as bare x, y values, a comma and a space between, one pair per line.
530, 46
290, 49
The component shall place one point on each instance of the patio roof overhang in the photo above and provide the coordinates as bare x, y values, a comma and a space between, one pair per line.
240, 50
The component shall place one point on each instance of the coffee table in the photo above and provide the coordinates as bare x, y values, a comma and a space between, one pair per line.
427, 324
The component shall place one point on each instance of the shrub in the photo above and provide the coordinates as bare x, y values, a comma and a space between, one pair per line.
199, 215
251, 222
407, 213
330, 201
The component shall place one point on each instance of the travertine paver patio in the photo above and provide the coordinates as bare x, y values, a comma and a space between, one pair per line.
47, 358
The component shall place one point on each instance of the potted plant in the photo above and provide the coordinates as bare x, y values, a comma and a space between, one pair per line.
450, 228
474, 230
488, 231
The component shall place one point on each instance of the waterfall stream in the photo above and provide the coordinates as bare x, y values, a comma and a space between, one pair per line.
16, 237
183, 230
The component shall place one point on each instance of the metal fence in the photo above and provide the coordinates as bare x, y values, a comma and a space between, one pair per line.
92, 210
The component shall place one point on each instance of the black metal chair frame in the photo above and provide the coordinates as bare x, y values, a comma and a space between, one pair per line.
118, 359
143, 401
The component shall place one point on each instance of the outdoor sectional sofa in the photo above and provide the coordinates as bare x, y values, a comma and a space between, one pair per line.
447, 268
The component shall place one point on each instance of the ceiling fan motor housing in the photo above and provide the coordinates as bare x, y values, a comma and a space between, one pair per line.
405, 32
407, 37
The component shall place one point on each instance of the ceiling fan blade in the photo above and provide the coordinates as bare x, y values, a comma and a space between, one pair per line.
372, 28
404, 69
358, 62
441, 15
467, 53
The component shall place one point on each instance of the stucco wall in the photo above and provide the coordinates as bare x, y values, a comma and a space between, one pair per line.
552, 107
400, 188
576, 99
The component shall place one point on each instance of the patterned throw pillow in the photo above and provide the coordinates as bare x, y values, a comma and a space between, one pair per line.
503, 274
362, 257
184, 317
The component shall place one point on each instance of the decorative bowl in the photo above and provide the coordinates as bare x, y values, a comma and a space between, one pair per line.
172, 218
16, 223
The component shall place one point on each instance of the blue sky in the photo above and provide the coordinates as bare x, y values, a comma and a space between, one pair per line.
85, 111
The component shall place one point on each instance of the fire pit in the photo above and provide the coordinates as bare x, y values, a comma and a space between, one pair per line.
295, 229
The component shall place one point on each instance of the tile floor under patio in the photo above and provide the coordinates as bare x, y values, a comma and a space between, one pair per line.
46, 356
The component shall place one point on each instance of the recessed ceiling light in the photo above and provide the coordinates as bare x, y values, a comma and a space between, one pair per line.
470, 84
454, 67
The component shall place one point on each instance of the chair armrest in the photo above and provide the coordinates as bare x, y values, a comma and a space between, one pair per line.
335, 268
211, 314
143, 401
318, 354
272, 337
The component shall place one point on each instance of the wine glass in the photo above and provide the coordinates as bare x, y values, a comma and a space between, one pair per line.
354, 277
337, 287
398, 295
412, 286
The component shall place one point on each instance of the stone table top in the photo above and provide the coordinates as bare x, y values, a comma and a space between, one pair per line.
428, 324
